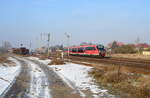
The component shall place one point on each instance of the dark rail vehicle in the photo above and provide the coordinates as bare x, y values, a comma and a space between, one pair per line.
21, 51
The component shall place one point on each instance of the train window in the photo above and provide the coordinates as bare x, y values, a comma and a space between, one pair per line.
100, 47
74, 50
90, 48
80, 49
70, 49
65, 49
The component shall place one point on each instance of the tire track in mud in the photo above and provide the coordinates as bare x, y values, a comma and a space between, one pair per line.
39, 82
20, 88
27, 85
59, 89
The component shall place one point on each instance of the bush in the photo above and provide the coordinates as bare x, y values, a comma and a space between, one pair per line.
148, 49
134, 86
124, 49
3, 58
56, 61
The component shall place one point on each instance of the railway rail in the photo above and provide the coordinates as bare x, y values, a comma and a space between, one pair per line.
138, 63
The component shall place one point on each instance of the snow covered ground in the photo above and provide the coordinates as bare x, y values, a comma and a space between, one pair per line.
78, 75
42, 61
8, 76
39, 82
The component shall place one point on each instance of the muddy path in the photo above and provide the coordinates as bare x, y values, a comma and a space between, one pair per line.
34, 79
37, 80
59, 89
20, 88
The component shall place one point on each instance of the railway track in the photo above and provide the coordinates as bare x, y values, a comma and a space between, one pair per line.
132, 60
138, 63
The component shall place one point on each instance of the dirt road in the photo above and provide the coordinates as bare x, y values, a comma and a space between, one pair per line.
20, 88
38, 81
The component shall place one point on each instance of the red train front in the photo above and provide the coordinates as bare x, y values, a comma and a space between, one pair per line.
87, 50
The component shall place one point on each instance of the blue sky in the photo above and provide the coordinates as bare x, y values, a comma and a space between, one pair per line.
97, 21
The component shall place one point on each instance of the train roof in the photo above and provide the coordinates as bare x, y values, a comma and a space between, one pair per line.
83, 46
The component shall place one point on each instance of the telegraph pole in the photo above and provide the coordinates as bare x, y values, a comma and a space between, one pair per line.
137, 41
68, 39
30, 46
48, 41
48, 44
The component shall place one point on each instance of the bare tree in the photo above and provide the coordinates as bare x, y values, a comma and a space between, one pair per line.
114, 45
6, 45
137, 41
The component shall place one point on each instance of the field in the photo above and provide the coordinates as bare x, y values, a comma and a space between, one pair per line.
132, 56
130, 81
123, 81
4, 58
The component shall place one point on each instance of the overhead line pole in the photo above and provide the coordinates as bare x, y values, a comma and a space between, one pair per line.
68, 39
47, 40
48, 43
30, 46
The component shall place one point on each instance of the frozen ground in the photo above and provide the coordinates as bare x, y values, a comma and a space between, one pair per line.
78, 75
8, 76
39, 82
42, 61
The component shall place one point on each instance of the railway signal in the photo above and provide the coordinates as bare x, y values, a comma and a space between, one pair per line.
48, 41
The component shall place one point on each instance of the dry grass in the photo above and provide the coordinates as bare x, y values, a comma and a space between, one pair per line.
4, 61
3, 58
56, 61
132, 56
135, 85
41, 56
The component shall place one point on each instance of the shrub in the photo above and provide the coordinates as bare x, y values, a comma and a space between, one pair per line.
124, 49
56, 61
148, 49
132, 85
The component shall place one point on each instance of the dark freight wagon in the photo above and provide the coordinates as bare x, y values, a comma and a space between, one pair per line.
22, 51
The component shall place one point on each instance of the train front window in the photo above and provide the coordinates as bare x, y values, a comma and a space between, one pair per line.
90, 48
100, 47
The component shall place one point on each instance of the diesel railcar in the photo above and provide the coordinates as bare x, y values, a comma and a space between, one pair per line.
86, 50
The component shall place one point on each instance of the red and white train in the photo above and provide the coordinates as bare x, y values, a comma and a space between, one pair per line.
86, 50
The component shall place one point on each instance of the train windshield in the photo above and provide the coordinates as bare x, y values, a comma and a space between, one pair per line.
100, 47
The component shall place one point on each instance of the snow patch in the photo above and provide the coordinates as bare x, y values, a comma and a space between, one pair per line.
78, 74
39, 83
8, 76
47, 61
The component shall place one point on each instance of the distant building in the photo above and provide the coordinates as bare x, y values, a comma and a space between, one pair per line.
118, 44
140, 45
143, 45
41, 50
146, 52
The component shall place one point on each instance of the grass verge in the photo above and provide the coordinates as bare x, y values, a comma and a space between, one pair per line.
3, 58
56, 61
133, 85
